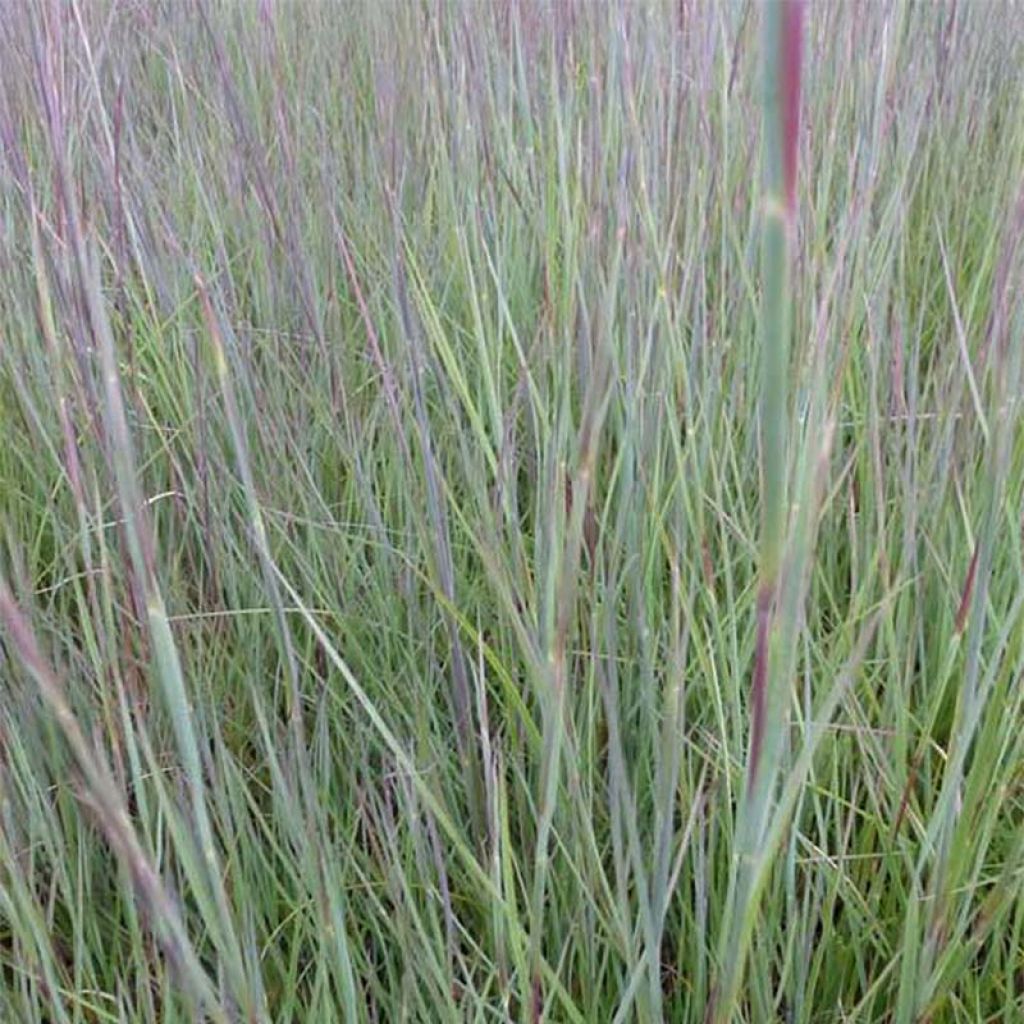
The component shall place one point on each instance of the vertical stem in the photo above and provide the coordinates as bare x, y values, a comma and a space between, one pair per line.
782, 43
782, 40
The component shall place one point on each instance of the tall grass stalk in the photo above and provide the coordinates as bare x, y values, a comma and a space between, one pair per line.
777, 625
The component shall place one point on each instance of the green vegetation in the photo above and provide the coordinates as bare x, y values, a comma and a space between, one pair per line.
500, 519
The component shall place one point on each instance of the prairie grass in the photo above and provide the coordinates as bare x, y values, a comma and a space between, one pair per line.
511, 511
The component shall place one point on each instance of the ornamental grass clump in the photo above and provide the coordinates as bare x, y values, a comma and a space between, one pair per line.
511, 512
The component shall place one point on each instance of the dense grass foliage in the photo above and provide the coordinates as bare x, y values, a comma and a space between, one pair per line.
482, 540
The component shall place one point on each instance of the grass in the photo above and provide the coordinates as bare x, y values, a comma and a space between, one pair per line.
511, 512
